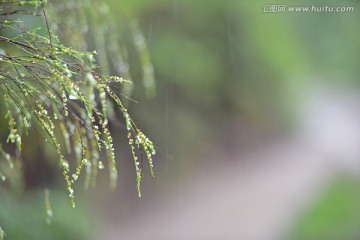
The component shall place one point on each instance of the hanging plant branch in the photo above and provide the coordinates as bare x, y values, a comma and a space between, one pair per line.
58, 91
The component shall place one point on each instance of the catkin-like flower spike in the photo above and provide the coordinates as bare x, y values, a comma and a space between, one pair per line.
83, 162
69, 182
103, 100
66, 137
2, 234
14, 136
7, 157
2, 176
64, 99
109, 146
97, 133
89, 82
95, 164
49, 212
138, 169
144, 57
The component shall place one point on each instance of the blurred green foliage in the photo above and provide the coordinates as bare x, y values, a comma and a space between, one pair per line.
24, 217
336, 215
230, 58
220, 62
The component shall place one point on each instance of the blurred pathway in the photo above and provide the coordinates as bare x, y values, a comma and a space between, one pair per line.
262, 193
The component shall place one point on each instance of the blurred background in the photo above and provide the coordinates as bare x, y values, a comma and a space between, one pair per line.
255, 117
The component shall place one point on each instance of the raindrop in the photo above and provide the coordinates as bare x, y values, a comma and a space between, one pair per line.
73, 95
65, 164
101, 165
49, 213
